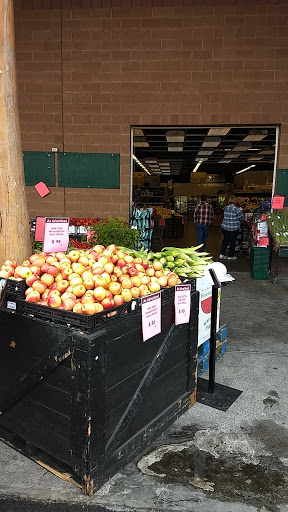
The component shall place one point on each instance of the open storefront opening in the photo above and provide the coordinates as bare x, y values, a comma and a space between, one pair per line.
174, 166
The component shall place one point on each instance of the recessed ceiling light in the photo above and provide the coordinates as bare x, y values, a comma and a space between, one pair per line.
175, 136
175, 147
242, 146
254, 138
232, 155
205, 152
267, 151
210, 142
137, 132
140, 142
218, 131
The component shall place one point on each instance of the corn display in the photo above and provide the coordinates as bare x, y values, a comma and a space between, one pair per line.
187, 262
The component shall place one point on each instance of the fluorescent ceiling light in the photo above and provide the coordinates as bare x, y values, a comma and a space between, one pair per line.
137, 132
254, 158
210, 142
218, 131
140, 165
224, 161
254, 149
150, 161
246, 169
197, 166
175, 136
201, 159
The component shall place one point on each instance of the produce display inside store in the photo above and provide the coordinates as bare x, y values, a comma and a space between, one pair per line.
90, 281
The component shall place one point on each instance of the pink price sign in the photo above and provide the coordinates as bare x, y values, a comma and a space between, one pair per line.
56, 234
278, 202
151, 315
182, 302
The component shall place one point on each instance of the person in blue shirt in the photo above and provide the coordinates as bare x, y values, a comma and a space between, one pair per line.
230, 228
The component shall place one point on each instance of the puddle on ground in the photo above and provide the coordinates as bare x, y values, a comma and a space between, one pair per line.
261, 481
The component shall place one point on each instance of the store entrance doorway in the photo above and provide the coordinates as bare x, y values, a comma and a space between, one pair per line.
172, 167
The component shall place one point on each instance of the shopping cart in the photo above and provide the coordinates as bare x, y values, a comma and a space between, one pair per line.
244, 238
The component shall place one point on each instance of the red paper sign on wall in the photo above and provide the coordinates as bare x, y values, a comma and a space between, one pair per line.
278, 202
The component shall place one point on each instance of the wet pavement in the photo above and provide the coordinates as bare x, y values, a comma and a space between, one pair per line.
208, 460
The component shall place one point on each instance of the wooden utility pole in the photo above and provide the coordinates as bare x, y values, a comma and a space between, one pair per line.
15, 240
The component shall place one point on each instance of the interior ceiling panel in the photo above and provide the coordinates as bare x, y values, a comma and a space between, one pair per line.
235, 147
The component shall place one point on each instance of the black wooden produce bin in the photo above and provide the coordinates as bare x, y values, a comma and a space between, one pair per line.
84, 404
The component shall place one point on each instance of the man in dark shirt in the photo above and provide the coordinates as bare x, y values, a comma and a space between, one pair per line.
203, 215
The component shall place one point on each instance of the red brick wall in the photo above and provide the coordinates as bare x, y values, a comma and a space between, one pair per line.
90, 70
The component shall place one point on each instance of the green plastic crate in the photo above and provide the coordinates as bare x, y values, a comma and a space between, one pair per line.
259, 256
259, 275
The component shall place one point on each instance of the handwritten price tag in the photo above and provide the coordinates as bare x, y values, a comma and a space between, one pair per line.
182, 303
151, 315
56, 234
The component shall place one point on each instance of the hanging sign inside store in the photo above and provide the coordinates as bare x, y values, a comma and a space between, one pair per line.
151, 315
198, 177
182, 302
215, 178
56, 234
278, 202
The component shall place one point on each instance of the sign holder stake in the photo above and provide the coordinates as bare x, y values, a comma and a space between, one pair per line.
215, 395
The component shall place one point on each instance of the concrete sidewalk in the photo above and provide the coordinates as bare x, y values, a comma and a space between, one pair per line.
234, 461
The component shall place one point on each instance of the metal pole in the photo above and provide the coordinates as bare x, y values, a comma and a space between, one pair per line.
213, 331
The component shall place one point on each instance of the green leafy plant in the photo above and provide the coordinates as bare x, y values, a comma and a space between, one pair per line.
114, 231
278, 223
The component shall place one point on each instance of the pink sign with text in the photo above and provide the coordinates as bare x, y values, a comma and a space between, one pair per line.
151, 315
39, 229
56, 234
278, 202
182, 302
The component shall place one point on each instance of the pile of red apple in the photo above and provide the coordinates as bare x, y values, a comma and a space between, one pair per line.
88, 281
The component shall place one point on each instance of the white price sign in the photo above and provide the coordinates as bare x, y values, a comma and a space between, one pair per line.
182, 302
151, 315
56, 234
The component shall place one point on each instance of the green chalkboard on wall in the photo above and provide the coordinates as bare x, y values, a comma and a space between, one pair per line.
39, 166
282, 184
89, 170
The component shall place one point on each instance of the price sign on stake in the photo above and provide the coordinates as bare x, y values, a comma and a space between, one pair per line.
151, 315
56, 234
182, 302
